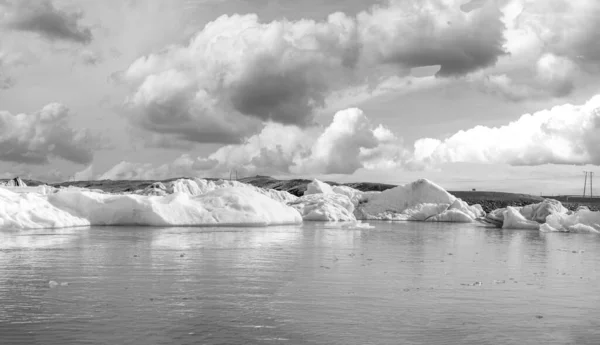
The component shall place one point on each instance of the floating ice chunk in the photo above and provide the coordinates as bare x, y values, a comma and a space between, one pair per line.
325, 207
403, 198
225, 206
547, 216
421, 200
580, 221
354, 195
199, 186
67, 208
540, 211
451, 215
318, 187
471, 211
52, 284
513, 219
419, 212
33, 211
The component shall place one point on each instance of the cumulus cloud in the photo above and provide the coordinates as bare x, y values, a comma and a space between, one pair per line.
238, 72
43, 18
434, 32
349, 143
550, 44
35, 138
561, 27
554, 77
567, 134
346, 144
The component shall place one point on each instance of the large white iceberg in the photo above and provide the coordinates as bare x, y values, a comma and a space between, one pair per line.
32, 210
421, 200
67, 208
199, 186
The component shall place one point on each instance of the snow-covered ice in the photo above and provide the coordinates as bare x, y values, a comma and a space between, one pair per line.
547, 216
421, 200
325, 207
67, 208
318, 187
199, 202
199, 186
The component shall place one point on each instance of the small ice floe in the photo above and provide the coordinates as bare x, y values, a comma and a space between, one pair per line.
499, 281
54, 284
473, 284
357, 225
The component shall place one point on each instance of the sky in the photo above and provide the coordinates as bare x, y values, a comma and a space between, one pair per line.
473, 94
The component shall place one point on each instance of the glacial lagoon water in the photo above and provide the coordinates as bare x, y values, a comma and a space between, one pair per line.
395, 283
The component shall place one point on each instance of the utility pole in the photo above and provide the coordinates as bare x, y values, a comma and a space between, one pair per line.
591, 174
585, 183
591, 184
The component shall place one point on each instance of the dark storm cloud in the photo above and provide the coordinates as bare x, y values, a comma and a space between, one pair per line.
43, 18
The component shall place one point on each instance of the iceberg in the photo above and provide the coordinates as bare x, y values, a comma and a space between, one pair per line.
325, 207
525, 217
200, 202
16, 182
199, 186
421, 200
318, 187
69, 208
31, 211
547, 216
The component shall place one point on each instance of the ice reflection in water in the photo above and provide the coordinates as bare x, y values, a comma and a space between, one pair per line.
397, 283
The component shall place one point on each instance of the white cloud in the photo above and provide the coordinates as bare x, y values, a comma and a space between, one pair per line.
349, 143
433, 32
554, 76
35, 138
238, 73
567, 134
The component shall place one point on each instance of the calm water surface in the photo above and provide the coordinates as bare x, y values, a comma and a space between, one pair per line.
398, 283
